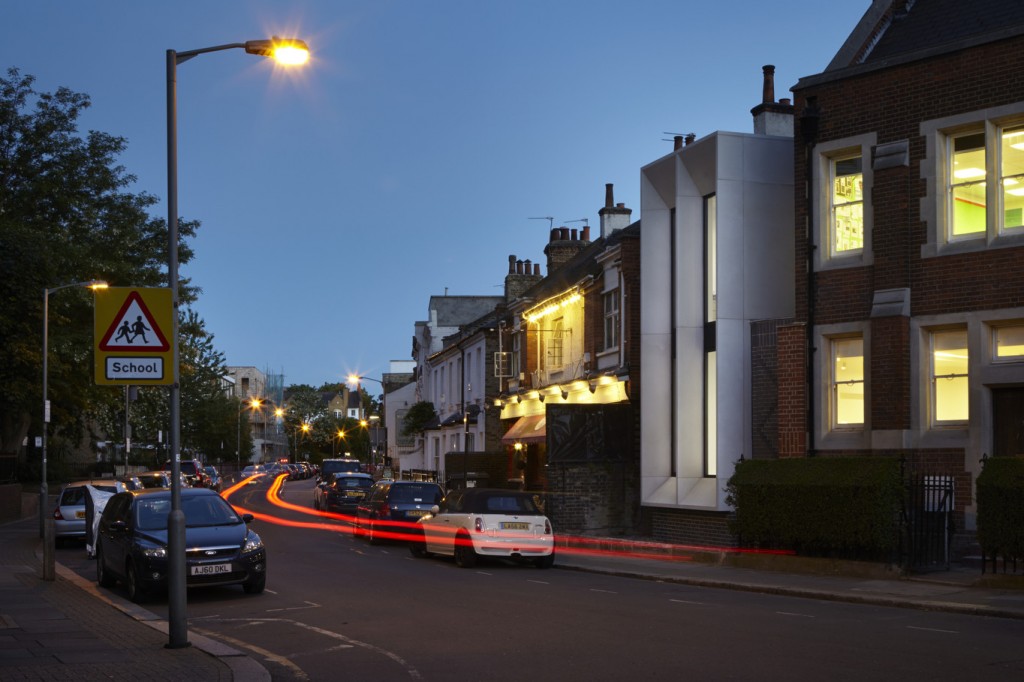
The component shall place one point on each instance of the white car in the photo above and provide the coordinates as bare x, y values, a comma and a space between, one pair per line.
487, 522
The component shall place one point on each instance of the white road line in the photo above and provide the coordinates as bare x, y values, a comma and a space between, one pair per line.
539, 582
267, 655
797, 615
309, 605
948, 632
683, 601
604, 591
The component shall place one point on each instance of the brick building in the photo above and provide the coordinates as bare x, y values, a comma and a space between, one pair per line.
908, 336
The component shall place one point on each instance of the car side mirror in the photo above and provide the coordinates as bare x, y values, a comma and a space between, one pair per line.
118, 527
248, 518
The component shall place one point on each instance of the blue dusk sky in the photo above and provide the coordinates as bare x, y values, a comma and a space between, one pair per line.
410, 156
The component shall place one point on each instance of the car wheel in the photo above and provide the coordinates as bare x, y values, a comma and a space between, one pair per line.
545, 561
103, 578
418, 547
255, 586
136, 593
465, 555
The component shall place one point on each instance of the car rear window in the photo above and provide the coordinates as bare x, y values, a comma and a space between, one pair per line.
509, 504
352, 482
412, 494
332, 466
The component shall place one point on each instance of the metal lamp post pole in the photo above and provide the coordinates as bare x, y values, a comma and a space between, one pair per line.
177, 626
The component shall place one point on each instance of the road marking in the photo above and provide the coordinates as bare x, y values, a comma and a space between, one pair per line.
683, 601
411, 671
267, 655
309, 605
604, 591
948, 632
539, 582
797, 615
483, 573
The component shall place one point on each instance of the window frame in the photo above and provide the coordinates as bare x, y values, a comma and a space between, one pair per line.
827, 434
933, 418
612, 318
826, 155
834, 206
835, 383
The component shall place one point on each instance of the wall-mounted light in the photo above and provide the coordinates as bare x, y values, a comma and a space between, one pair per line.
565, 395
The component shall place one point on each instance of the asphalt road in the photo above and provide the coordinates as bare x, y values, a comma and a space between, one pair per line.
337, 608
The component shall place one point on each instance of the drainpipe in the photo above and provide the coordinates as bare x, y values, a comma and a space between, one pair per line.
809, 130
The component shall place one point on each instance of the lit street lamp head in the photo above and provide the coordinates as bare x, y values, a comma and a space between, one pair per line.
287, 51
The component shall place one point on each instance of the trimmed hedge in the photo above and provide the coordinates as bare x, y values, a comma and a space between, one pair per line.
838, 506
1000, 497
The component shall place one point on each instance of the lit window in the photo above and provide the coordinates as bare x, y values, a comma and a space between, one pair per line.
846, 219
967, 185
1012, 177
949, 376
555, 344
1009, 343
611, 319
848, 382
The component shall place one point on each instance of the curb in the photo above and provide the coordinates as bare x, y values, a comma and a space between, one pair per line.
241, 665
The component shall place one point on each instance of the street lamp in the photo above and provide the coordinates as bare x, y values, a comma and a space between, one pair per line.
304, 428
355, 379
252, 404
375, 418
334, 442
285, 51
44, 488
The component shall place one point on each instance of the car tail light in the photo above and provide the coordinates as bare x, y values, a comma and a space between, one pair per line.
478, 525
547, 527
385, 510
57, 516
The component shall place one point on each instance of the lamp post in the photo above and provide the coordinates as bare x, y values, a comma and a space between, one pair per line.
285, 52
355, 379
44, 488
252, 404
334, 442
375, 418
304, 428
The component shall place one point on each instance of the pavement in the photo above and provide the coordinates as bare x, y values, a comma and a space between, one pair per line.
69, 629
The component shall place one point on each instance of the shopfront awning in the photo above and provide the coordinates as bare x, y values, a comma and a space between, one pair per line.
529, 429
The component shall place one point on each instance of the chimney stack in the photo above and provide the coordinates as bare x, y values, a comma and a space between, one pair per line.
771, 117
521, 276
613, 216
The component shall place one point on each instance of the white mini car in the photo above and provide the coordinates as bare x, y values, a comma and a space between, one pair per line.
487, 522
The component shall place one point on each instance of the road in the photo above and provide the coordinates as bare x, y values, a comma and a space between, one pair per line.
339, 608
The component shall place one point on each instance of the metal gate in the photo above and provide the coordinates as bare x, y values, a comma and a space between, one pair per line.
929, 522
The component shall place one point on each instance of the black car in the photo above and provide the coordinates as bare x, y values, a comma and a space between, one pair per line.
192, 471
393, 508
343, 494
337, 465
131, 543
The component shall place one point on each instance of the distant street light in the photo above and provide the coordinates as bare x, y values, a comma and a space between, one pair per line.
252, 404
285, 51
44, 487
355, 379
334, 442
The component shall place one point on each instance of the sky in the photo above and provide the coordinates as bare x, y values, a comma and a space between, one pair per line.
423, 143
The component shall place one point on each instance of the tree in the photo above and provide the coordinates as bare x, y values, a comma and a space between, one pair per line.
65, 216
418, 418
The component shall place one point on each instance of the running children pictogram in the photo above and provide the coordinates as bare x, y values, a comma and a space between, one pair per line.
134, 328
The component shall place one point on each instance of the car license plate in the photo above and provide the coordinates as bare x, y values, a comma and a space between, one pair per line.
79, 514
514, 525
354, 493
417, 512
211, 569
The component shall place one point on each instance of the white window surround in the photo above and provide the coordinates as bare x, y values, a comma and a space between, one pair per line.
934, 171
824, 154
827, 436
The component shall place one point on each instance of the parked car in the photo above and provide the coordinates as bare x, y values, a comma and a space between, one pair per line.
131, 543
255, 473
394, 507
192, 470
487, 522
149, 479
337, 465
215, 482
344, 492
69, 514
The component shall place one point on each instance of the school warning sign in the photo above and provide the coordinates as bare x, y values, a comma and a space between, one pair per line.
132, 334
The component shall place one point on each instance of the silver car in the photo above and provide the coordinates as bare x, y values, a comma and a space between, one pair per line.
69, 515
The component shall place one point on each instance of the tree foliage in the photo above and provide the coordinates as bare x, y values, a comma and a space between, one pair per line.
66, 216
418, 417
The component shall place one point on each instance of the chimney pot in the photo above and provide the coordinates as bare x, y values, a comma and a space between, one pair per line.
609, 195
555, 234
768, 91
536, 269
785, 100
563, 233
519, 267
574, 234
526, 267
690, 137
511, 264
677, 142
586, 233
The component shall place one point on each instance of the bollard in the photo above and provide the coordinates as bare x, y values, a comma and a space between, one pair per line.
49, 549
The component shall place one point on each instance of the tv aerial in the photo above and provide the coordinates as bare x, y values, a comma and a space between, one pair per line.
550, 219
